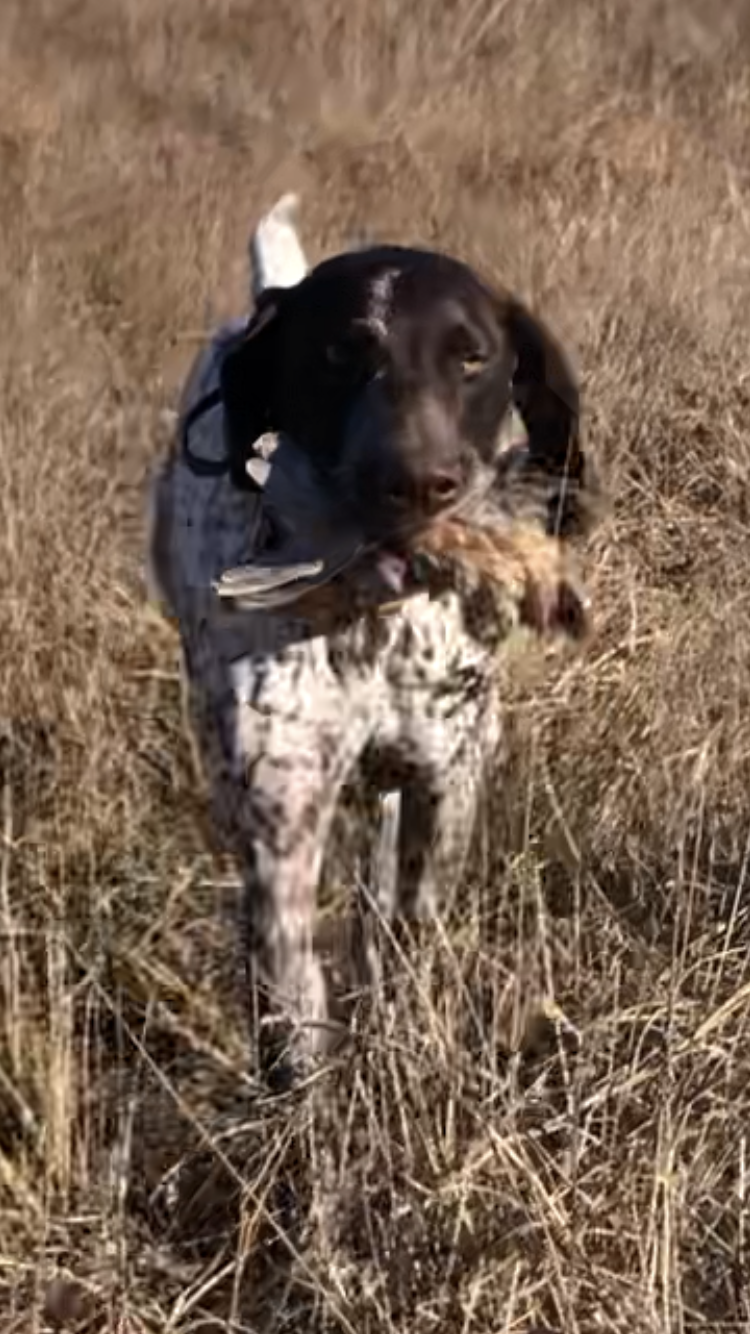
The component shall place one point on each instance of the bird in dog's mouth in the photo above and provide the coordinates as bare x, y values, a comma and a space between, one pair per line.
323, 564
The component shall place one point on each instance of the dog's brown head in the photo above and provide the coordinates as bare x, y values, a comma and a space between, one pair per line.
394, 370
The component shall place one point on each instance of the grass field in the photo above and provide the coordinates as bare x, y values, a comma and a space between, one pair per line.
553, 1133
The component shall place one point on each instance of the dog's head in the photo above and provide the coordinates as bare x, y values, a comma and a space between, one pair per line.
394, 370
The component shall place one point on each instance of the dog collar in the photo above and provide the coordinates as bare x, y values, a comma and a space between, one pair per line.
202, 467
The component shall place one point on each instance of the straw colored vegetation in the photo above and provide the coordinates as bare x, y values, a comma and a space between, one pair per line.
550, 1133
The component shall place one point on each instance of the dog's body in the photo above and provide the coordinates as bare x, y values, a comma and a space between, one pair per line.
284, 713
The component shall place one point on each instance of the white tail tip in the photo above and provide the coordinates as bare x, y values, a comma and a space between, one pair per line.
276, 253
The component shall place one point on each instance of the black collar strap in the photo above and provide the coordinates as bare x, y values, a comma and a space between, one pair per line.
202, 467
208, 467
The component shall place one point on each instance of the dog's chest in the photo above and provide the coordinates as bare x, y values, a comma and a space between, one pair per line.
413, 670
429, 648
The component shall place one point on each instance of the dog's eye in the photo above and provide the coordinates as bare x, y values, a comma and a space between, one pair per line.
339, 356
346, 358
351, 360
472, 365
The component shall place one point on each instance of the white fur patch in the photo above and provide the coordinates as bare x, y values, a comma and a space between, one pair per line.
381, 302
276, 253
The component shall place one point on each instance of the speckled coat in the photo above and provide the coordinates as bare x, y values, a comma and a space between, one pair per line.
283, 714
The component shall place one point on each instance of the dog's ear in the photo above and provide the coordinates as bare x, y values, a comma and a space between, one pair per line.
248, 382
545, 390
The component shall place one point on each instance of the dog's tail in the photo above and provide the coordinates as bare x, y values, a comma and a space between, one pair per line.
276, 255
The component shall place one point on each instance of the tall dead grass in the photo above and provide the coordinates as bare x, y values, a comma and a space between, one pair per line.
551, 1133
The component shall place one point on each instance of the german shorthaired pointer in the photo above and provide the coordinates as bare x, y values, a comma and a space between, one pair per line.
395, 373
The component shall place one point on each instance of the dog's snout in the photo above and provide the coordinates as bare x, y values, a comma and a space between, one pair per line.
407, 460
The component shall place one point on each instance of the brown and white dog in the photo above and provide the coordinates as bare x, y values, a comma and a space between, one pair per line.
392, 375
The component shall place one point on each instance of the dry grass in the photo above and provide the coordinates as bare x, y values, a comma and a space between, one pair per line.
551, 1134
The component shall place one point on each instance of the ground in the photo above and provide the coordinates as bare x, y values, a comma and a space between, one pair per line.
551, 1132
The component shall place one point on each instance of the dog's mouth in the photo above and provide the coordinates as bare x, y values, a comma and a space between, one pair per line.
395, 552
393, 566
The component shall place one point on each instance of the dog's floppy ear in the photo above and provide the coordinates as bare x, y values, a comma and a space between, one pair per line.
545, 390
248, 380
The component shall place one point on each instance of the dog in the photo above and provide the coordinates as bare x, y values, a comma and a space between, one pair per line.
389, 375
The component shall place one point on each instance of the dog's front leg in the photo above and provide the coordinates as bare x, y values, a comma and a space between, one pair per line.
286, 988
289, 744
440, 802
284, 823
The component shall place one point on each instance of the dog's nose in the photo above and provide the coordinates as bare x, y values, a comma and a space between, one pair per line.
430, 493
440, 488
